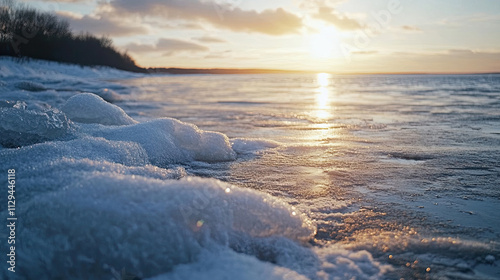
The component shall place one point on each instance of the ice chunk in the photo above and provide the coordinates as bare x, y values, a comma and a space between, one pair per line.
20, 127
90, 108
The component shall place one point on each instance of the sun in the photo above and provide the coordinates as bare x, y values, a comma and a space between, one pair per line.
324, 44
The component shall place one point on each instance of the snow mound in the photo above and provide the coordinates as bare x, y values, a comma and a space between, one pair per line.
171, 141
229, 265
90, 108
145, 225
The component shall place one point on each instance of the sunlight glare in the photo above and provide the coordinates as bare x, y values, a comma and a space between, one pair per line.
322, 79
324, 44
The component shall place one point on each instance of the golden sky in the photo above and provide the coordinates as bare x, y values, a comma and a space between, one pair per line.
340, 36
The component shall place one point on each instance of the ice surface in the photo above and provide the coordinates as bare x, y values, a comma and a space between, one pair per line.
245, 146
30, 86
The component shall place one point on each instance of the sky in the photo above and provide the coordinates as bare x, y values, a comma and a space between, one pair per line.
338, 36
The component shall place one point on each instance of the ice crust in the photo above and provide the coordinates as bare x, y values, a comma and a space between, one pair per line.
20, 126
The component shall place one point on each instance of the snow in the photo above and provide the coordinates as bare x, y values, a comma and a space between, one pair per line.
229, 265
171, 141
42, 70
165, 140
144, 224
90, 108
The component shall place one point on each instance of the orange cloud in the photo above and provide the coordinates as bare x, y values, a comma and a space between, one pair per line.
209, 39
271, 22
329, 15
409, 28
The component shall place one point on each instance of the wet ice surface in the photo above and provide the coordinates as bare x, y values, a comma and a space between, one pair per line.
406, 167
373, 177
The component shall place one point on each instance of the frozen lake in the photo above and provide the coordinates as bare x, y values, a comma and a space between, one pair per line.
323, 176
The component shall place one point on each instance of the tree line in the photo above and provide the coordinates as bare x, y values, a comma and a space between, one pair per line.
28, 33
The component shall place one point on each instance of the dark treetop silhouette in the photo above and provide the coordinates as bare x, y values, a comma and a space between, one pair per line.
28, 33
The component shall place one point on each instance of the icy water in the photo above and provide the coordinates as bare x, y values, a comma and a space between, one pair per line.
326, 176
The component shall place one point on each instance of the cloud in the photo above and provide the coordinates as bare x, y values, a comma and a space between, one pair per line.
468, 19
409, 28
161, 24
167, 46
364, 52
461, 52
452, 60
271, 22
101, 25
217, 55
329, 15
191, 25
431, 61
209, 39
67, 1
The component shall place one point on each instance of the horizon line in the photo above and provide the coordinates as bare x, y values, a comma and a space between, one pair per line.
221, 71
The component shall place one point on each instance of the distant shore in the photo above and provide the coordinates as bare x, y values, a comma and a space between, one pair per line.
224, 71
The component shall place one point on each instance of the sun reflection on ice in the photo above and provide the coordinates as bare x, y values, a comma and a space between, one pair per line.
323, 93
323, 79
320, 112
